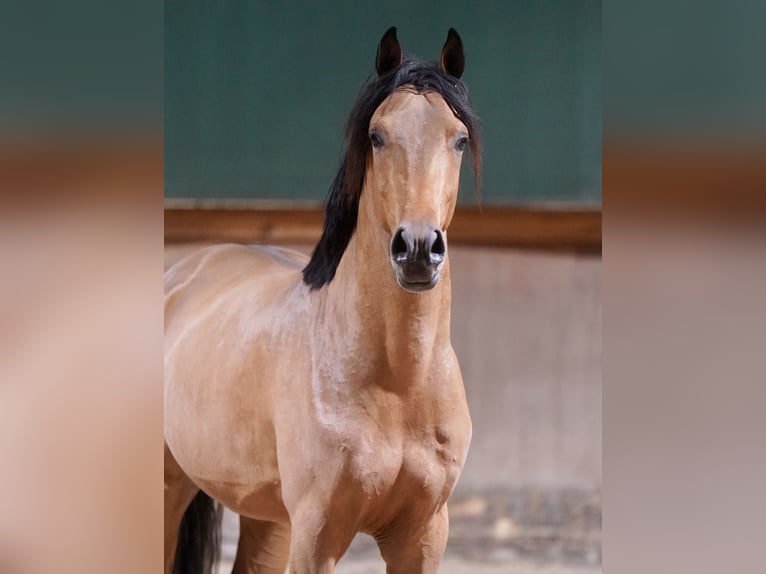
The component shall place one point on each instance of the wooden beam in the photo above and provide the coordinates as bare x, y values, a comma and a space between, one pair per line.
557, 229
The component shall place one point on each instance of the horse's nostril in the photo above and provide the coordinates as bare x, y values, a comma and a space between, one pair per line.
438, 247
399, 245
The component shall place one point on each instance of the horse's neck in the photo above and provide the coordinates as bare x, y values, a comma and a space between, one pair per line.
384, 323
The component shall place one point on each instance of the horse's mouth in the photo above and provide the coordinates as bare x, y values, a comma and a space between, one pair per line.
417, 286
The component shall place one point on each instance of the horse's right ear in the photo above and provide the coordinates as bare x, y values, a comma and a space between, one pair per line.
389, 55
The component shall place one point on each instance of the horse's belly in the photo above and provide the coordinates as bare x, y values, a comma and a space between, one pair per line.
258, 500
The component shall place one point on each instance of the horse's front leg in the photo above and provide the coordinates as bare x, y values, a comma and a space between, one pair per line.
415, 551
321, 534
263, 547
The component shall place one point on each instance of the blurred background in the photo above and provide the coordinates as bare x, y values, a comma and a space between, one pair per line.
256, 95
81, 181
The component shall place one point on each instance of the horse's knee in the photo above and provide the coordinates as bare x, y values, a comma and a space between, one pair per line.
318, 542
263, 547
418, 550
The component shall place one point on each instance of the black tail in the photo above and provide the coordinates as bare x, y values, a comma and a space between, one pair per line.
199, 537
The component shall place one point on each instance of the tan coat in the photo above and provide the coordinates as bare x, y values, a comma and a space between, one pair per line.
317, 414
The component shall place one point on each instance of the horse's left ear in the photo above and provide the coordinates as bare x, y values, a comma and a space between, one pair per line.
452, 60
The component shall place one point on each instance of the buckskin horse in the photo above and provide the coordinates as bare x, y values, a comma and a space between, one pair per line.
320, 398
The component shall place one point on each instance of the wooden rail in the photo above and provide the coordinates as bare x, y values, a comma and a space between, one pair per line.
557, 229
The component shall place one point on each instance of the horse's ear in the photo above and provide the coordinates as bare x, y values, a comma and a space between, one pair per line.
452, 60
389, 55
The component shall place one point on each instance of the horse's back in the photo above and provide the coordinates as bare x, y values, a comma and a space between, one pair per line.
233, 259
216, 274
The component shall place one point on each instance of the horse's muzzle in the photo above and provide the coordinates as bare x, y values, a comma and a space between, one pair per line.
418, 252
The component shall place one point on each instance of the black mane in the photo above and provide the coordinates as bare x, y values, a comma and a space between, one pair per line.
342, 203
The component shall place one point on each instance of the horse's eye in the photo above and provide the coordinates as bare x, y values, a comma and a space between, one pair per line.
461, 142
376, 140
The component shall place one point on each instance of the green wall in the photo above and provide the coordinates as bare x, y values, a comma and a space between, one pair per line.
256, 93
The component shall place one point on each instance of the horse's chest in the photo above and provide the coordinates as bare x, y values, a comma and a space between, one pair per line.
430, 469
424, 467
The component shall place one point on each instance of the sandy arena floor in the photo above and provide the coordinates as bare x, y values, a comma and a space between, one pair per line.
459, 566
484, 539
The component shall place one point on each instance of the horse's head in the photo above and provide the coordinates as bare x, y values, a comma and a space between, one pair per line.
417, 140
405, 139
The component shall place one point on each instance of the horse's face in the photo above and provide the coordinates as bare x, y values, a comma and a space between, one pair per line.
417, 148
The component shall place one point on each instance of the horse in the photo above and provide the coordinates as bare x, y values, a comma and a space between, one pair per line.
321, 397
